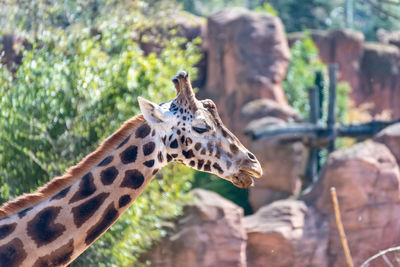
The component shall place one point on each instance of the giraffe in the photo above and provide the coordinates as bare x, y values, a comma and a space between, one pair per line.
54, 225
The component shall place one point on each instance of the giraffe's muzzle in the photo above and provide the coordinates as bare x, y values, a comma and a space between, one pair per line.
245, 178
249, 170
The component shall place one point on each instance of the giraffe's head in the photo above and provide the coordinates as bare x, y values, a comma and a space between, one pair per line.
194, 135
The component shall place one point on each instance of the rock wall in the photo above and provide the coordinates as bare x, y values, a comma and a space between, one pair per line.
371, 69
380, 79
390, 136
209, 234
286, 233
283, 163
367, 179
248, 58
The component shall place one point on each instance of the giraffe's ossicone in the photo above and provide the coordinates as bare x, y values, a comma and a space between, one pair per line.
54, 225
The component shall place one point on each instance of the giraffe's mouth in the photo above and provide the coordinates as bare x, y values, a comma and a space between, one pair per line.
245, 178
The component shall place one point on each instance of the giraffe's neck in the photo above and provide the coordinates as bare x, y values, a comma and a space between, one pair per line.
60, 227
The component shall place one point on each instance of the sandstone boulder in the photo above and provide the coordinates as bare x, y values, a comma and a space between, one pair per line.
286, 233
390, 136
367, 181
247, 59
380, 79
209, 234
261, 108
371, 69
388, 37
283, 165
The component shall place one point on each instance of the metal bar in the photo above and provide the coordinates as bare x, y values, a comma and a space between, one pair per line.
286, 131
314, 104
320, 84
299, 131
364, 130
332, 106
312, 162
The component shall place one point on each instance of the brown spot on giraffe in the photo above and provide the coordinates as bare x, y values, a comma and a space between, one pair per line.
133, 179
188, 141
174, 144
228, 164
148, 148
169, 158
86, 188
149, 163
108, 175
109, 216
143, 131
61, 194
106, 161
160, 157
188, 154
210, 148
85, 211
129, 155
13, 253
218, 153
234, 149
23, 212
42, 228
197, 146
200, 164
154, 171
124, 200
218, 168
58, 257
124, 142
7, 229
207, 166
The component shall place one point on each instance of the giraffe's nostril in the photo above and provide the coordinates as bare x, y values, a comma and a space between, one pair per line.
251, 156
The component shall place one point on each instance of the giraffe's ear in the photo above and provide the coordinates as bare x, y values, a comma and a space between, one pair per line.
151, 111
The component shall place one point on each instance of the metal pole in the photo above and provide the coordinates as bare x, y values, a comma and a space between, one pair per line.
319, 82
312, 164
332, 106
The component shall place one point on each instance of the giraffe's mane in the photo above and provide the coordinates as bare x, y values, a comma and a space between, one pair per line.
73, 173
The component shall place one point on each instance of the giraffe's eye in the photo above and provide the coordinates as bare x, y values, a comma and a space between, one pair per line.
201, 129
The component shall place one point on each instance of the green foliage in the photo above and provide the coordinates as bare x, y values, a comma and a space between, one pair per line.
208, 7
73, 89
301, 73
303, 67
266, 8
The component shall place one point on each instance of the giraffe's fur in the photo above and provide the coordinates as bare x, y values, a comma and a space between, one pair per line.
73, 173
55, 225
